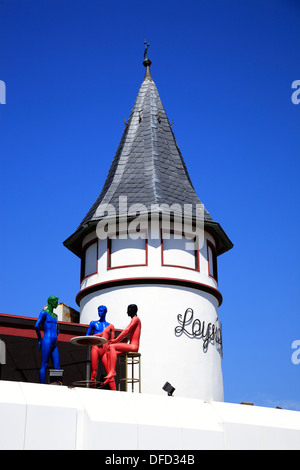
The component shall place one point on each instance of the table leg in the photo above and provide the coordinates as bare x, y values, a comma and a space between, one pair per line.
88, 365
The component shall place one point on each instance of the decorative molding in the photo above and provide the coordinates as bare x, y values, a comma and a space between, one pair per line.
149, 280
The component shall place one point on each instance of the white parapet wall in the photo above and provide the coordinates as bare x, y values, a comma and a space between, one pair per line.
34, 416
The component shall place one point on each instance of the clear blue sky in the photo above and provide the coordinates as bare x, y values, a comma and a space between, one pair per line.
224, 71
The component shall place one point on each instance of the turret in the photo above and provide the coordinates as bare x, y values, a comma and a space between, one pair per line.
149, 240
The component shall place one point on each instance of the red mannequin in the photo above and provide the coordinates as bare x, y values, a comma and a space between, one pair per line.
114, 347
99, 351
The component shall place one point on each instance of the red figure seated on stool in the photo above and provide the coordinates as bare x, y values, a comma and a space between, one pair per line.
107, 331
115, 347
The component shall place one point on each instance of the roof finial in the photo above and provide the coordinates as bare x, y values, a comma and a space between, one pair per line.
147, 62
146, 49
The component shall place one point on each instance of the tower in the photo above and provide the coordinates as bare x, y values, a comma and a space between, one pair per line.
149, 240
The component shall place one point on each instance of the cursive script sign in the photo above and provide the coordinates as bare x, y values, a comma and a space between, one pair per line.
194, 328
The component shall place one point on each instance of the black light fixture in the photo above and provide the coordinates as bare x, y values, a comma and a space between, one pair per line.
169, 389
56, 376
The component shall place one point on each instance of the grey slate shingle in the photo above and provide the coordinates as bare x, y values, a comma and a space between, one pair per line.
148, 166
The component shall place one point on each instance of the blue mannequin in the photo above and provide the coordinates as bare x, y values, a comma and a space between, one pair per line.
96, 327
107, 331
47, 321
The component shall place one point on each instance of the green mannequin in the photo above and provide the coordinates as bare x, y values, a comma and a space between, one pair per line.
48, 322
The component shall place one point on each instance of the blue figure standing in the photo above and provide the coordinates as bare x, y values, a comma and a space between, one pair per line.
47, 321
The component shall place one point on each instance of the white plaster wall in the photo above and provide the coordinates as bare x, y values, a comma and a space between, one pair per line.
35, 416
166, 357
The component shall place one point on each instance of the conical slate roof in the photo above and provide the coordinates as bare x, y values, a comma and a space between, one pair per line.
148, 167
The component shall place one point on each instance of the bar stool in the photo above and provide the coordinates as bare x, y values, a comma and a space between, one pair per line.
130, 359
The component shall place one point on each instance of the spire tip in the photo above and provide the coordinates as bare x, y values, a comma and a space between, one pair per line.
147, 62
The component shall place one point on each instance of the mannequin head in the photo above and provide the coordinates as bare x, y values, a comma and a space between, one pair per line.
52, 302
132, 310
102, 310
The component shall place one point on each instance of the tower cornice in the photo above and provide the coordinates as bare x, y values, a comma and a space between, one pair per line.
98, 287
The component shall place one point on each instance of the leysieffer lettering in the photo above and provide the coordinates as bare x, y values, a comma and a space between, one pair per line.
195, 328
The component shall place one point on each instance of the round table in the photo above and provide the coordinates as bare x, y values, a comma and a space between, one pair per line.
87, 341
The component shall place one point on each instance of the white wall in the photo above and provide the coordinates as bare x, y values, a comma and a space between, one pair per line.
165, 357
180, 360
35, 416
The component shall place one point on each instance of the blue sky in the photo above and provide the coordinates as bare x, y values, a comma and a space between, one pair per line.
224, 71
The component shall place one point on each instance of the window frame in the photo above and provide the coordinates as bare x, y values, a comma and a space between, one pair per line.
83, 259
109, 240
215, 261
196, 252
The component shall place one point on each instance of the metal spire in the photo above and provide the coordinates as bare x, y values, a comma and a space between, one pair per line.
147, 62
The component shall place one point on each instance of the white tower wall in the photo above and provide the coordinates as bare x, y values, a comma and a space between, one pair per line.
162, 280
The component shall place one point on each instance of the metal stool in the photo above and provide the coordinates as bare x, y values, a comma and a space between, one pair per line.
130, 359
